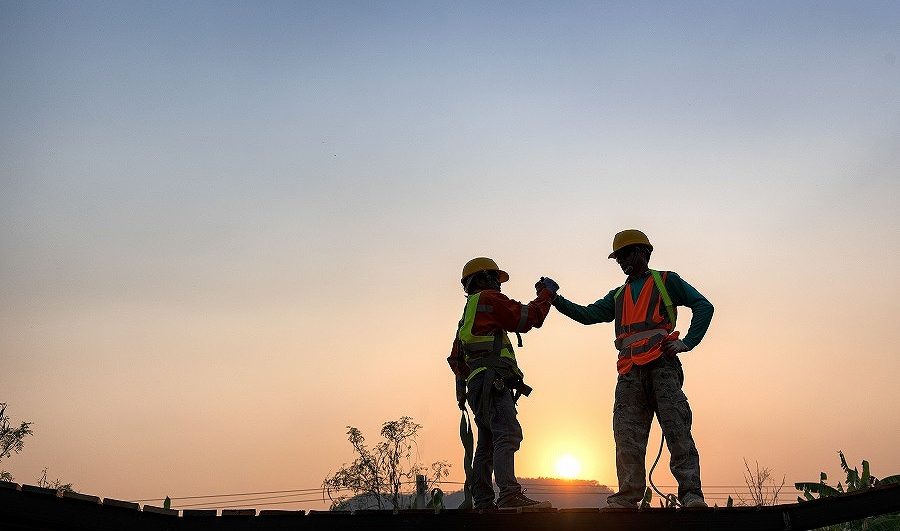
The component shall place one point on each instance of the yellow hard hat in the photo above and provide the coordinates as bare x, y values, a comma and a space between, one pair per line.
483, 264
629, 237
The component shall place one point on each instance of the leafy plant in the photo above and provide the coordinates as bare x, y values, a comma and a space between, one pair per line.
666, 501
56, 484
12, 439
437, 499
855, 482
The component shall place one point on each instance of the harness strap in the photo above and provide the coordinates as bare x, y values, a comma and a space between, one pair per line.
496, 366
487, 387
634, 338
491, 360
664, 293
523, 318
466, 436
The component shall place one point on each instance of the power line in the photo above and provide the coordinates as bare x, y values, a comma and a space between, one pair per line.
322, 498
218, 506
711, 491
298, 491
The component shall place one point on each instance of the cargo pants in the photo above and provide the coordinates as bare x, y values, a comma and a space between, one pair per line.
499, 437
654, 388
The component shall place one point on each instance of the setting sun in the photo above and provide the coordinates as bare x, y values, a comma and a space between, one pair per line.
568, 466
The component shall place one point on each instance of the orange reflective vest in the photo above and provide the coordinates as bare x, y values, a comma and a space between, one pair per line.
643, 325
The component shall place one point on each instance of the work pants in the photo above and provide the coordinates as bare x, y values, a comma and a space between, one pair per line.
499, 436
654, 388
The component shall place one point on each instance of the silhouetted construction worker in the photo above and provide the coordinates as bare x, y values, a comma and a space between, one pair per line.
650, 374
487, 375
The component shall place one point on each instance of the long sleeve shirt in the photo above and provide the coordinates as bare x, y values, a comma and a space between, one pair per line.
682, 294
504, 316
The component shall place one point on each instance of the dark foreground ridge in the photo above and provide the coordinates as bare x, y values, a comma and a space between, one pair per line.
33, 508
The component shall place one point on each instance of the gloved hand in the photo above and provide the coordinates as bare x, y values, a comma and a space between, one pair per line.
548, 284
671, 348
461, 393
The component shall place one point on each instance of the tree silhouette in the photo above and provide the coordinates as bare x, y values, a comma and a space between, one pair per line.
11, 439
377, 474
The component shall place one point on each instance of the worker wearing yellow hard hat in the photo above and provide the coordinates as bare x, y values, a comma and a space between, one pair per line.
489, 379
629, 237
481, 264
650, 373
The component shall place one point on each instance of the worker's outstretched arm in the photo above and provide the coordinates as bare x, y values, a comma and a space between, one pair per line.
511, 315
602, 311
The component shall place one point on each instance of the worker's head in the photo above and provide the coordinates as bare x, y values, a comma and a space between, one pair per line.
482, 273
631, 249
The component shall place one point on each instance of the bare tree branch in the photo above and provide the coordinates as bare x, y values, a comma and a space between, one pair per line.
380, 473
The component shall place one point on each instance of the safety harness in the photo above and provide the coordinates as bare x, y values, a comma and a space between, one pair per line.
637, 340
492, 354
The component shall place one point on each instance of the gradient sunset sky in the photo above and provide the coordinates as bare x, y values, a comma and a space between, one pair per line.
230, 229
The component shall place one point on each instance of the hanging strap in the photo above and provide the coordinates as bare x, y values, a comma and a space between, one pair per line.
468, 442
523, 318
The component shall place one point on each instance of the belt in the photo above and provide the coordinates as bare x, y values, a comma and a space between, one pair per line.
622, 344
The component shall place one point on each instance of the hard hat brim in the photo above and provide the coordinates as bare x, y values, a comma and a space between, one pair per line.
613, 254
502, 275
482, 263
627, 237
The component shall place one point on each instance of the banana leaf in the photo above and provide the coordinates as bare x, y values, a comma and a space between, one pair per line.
821, 489
865, 480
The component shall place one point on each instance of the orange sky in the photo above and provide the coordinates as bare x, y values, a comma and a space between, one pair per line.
228, 233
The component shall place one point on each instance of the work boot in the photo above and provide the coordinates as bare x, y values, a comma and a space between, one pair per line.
518, 500
694, 502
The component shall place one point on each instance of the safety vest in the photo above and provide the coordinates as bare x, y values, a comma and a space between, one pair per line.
480, 352
643, 324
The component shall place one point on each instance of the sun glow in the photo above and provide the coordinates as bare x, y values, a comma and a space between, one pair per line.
568, 467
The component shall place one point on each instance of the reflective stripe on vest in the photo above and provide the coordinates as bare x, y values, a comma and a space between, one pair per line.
642, 324
475, 346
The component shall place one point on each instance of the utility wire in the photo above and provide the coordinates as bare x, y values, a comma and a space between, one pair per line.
249, 500
542, 488
202, 507
221, 505
298, 491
